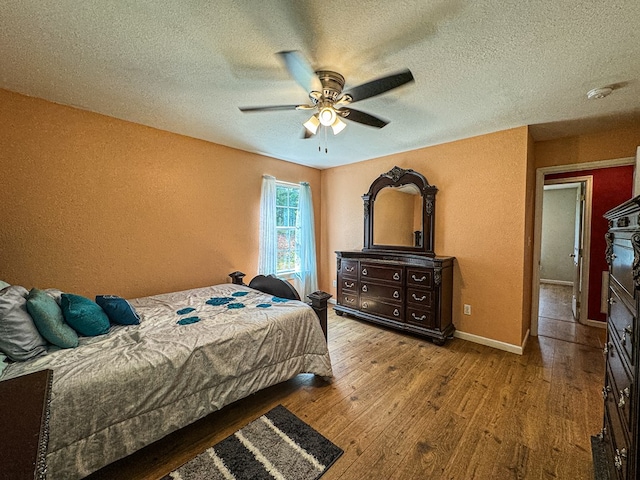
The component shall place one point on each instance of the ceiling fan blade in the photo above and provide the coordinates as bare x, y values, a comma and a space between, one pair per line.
276, 107
307, 134
301, 71
361, 117
381, 85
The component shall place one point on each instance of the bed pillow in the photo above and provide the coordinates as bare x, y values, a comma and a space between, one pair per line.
118, 310
19, 337
47, 316
83, 315
55, 294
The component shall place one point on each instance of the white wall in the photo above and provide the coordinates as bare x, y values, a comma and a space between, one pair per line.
558, 223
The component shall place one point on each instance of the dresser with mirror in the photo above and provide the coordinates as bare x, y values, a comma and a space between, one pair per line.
397, 280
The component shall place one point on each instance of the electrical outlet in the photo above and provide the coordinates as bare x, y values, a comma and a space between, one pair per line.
467, 309
335, 283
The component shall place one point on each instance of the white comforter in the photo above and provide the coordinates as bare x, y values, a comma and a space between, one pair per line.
119, 392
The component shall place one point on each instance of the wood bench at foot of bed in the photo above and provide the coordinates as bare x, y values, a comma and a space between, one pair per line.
280, 288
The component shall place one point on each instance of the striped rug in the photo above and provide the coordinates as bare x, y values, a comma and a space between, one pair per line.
278, 445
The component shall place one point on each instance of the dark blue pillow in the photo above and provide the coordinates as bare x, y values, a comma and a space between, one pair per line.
118, 310
83, 315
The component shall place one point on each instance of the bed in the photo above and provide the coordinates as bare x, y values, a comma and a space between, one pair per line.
192, 353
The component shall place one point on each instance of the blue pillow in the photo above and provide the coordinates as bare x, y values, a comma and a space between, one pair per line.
118, 310
49, 321
85, 316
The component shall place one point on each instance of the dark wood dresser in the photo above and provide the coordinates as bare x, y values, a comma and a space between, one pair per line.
397, 280
403, 291
620, 391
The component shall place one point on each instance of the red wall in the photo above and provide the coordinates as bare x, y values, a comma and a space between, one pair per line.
611, 187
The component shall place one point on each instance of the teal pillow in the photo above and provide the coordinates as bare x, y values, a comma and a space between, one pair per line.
49, 320
118, 309
85, 316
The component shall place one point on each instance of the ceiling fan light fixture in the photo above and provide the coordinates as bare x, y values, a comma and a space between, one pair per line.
338, 126
327, 116
312, 124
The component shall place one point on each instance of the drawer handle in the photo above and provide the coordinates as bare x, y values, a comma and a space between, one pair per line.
619, 457
613, 256
349, 285
418, 318
396, 276
364, 271
349, 269
624, 394
605, 392
396, 313
624, 339
350, 300
418, 299
364, 288
365, 305
611, 301
415, 279
396, 294
607, 347
628, 329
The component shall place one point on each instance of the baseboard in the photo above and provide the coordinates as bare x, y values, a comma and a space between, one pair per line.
489, 342
596, 323
556, 282
332, 301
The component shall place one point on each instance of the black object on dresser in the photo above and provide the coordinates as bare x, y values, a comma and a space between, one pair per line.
397, 280
620, 391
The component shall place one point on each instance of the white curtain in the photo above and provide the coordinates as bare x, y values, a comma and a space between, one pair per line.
267, 260
308, 274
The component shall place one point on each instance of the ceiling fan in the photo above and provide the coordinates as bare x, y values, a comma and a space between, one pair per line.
328, 100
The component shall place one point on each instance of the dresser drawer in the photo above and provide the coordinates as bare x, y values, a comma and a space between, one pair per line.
618, 444
383, 292
621, 384
349, 269
348, 300
622, 263
369, 271
622, 323
420, 277
422, 317
420, 297
375, 306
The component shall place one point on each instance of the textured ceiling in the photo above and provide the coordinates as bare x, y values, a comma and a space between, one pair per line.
187, 65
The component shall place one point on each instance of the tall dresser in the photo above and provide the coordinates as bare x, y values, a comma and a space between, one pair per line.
620, 391
396, 280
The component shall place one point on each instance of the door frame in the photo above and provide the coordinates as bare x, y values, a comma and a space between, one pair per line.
537, 228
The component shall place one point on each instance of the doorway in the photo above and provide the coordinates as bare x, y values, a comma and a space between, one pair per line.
610, 179
564, 260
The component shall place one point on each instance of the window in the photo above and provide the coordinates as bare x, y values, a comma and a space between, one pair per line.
287, 244
287, 234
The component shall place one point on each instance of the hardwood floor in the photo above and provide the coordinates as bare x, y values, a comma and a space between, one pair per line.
403, 408
556, 318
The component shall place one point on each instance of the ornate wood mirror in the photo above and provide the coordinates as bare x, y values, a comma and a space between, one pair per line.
399, 211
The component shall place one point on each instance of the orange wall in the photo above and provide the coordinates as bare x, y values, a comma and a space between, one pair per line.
608, 145
92, 204
481, 212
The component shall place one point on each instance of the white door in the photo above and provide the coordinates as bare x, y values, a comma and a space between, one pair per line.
577, 254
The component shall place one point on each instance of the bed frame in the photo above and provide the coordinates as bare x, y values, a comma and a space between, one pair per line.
274, 286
